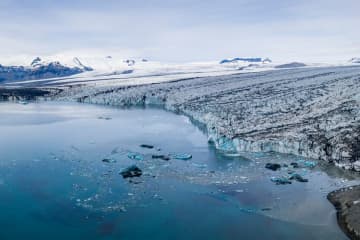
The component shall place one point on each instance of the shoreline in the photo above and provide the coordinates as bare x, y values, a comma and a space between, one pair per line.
347, 204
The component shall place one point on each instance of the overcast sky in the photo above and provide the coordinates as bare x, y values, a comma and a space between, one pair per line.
182, 30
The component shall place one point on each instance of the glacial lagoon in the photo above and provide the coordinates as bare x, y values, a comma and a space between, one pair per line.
60, 178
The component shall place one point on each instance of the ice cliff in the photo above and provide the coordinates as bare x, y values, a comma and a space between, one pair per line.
311, 112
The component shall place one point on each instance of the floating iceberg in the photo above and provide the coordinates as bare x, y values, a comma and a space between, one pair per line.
181, 156
135, 156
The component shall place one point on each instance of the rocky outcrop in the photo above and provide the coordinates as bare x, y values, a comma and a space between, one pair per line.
38, 70
347, 204
311, 112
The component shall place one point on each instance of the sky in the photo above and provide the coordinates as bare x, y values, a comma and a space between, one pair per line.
181, 30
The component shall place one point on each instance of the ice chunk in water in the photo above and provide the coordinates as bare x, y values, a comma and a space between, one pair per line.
280, 180
130, 172
298, 177
310, 164
135, 156
307, 163
181, 156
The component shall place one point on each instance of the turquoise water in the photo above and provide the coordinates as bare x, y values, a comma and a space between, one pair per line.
54, 184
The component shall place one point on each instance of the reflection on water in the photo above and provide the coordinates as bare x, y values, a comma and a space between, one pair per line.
54, 183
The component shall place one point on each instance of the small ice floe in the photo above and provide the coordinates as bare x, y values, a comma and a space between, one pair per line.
75, 148
158, 197
290, 171
310, 164
108, 160
198, 165
231, 154
280, 180
104, 118
118, 208
130, 172
147, 146
135, 156
298, 177
23, 102
54, 157
181, 156
247, 210
115, 151
307, 163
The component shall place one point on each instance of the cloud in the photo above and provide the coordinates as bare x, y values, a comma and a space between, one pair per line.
183, 30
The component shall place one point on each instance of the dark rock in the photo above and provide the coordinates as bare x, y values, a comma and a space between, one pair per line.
347, 204
355, 60
135, 182
127, 71
36, 62
50, 70
294, 164
130, 172
273, 166
163, 157
130, 62
108, 160
266, 209
147, 146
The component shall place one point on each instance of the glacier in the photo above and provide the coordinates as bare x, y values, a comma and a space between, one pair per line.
307, 110
310, 112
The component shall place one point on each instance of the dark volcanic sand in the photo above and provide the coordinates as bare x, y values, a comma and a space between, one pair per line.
347, 203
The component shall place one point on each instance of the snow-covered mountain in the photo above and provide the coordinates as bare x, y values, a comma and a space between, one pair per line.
39, 69
113, 68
